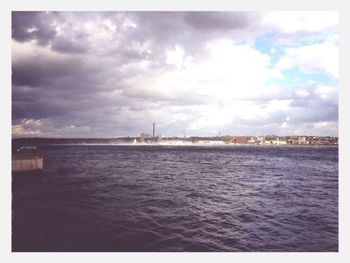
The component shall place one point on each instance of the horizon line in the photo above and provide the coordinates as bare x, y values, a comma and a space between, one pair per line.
187, 137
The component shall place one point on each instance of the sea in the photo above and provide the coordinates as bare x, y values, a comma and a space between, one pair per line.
113, 198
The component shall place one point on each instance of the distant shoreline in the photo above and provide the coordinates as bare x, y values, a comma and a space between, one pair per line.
183, 142
188, 145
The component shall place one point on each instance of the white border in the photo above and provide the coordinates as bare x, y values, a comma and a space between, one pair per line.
6, 6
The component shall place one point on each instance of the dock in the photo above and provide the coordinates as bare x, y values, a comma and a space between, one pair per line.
27, 159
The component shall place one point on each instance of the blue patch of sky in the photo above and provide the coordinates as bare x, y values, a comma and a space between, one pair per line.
266, 45
269, 44
294, 76
310, 39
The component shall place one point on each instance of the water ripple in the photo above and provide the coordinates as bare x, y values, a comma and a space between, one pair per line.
115, 198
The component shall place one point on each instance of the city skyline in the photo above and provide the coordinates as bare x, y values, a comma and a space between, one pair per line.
109, 74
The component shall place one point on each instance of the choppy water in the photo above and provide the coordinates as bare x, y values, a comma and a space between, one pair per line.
120, 198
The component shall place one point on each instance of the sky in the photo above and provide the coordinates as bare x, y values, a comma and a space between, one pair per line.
111, 74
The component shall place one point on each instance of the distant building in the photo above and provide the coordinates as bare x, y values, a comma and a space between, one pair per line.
260, 139
278, 141
159, 138
293, 140
211, 142
144, 137
269, 139
325, 140
301, 139
334, 140
241, 140
252, 140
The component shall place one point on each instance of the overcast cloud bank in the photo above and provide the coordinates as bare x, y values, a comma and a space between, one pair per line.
109, 74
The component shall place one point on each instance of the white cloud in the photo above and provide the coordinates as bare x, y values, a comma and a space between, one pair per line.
315, 58
175, 57
27, 127
293, 22
301, 93
325, 92
284, 125
223, 84
324, 127
224, 72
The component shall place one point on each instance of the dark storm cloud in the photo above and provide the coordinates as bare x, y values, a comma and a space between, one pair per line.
315, 107
213, 21
69, 46
41, 70
42, 27
33, 25
158, 28
41, 102
191, 30
314, 111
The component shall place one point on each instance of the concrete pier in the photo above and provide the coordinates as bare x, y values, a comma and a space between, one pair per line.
27, 159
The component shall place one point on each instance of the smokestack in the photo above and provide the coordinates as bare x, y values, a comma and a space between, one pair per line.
154, 130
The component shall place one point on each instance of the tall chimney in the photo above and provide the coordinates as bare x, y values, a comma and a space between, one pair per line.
154, 130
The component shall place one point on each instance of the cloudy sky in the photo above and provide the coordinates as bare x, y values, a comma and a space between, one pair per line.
109, 74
